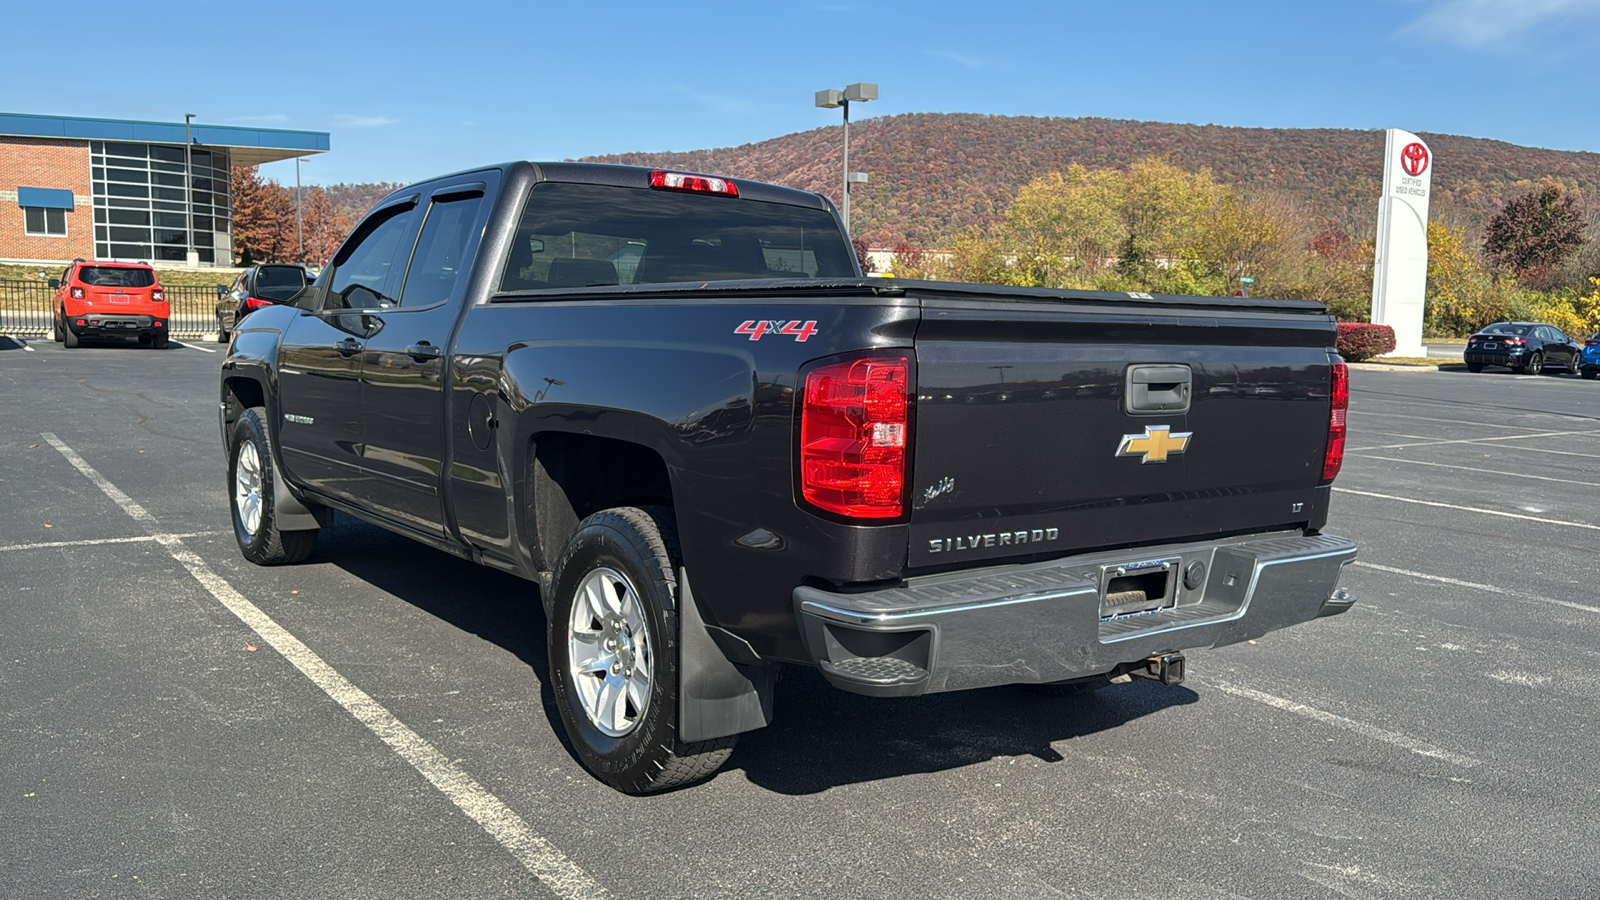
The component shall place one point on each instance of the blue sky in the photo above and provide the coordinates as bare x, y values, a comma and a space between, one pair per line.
410, 90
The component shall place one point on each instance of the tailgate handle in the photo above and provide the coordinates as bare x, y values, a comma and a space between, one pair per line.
1153, 390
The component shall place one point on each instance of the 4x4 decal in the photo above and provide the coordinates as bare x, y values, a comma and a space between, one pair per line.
800, 331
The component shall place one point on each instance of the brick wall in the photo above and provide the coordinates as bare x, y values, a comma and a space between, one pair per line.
45, 163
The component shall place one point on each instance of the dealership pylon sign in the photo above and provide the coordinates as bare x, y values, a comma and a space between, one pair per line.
1400, 270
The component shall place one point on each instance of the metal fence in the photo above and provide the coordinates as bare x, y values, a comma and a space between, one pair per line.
26, 309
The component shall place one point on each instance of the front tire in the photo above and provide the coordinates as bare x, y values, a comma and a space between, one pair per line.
222, 333
613, 637
1474, 367
55, 328
1589, 372
250, 484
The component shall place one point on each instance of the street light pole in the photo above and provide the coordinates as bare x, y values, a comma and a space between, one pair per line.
190, 257
299, 239
861, 92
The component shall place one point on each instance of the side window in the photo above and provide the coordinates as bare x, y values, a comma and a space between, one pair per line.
436, 264
362, 272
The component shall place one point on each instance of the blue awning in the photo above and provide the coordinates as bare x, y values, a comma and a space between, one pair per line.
49, 198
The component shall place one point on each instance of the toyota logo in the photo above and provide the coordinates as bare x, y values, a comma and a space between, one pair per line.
1414, 159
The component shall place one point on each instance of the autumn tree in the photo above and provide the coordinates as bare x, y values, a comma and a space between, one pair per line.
263, 218
322, 226
1533, 234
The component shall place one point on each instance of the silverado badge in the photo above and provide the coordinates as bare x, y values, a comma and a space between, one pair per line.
1155, 445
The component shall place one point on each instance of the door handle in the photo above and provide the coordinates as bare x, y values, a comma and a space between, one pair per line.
424, 351
348, 347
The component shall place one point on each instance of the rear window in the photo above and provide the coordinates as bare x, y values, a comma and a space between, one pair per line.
1508, 329
580, 235
279, 283
116, 276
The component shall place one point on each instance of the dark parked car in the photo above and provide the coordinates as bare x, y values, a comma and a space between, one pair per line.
256, 287
1529, 347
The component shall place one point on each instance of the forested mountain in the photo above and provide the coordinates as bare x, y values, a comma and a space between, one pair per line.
934, 175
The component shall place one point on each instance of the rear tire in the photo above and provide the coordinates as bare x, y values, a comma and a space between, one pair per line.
222, 333
1474, 367
1535, 365
159, 341
1589, 372
69, 338
250, 488
613, 637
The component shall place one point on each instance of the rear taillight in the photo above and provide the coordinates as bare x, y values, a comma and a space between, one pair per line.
854, 431
1514, 341
158, 296
255, 303
1334, 457
685, 181
1591, 343
77, 293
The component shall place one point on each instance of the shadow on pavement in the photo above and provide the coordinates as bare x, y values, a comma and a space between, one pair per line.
822, 737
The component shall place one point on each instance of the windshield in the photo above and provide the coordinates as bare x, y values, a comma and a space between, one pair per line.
578, 235
1507, 328
116, 276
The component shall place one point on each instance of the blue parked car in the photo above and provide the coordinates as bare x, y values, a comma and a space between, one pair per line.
1530, 347
1589, 364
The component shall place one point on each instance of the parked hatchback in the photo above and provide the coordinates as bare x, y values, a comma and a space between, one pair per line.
1530, 347
256, 287
105, 299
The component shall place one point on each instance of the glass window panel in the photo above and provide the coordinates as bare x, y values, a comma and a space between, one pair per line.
102, 250
203, 223
33, 219
361, 276
130, 251
173, 254
202, 197
131, 176
102, 233
167, 167
98, 173
163, 204
206, 254
137, 151
128, 202
55, 221
119, 233
97, 147
100, 216
436, 263
162, 193
130, 217
170, 154
164, 236
202, 184
171, 179
128, 190
168, 220
199, 157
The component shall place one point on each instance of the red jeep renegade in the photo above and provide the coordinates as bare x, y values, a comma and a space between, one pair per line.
100, 299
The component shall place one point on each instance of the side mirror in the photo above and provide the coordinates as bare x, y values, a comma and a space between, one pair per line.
222, 289
53, 284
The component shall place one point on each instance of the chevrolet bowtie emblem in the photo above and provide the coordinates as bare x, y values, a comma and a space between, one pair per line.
1155, 445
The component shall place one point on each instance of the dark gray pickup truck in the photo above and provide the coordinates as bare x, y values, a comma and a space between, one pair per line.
673, 402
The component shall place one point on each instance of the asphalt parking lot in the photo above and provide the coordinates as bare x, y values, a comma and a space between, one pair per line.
1439, 740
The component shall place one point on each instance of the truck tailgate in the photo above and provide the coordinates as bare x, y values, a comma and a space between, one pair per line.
1043, 427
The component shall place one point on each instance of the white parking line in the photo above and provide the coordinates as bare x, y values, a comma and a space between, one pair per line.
49, 545
1474, 509
1419, 462
196, 347
1409, 418
1486, 588
1421, 441
560, 874
1403, 741
19, 342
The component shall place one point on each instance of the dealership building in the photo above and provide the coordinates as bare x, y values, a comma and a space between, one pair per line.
75, 188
